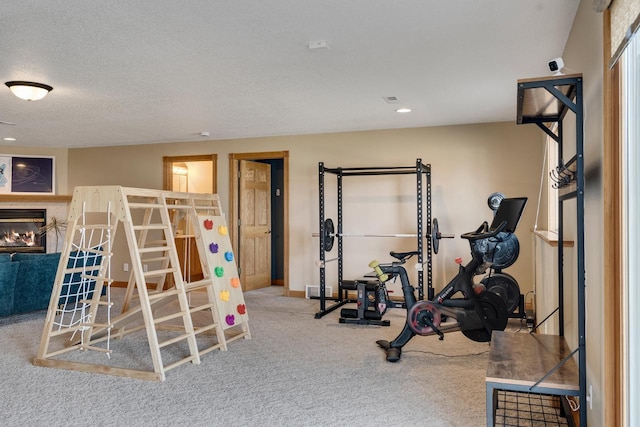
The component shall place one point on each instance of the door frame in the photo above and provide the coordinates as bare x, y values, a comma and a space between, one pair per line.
234, 159
167, 177
614, 370
167, 168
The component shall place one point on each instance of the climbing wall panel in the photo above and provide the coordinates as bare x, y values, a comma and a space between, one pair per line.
223, 271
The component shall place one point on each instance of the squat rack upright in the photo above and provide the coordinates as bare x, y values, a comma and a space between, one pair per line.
423, 194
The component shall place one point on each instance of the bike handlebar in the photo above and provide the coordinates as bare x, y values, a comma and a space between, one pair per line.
483, 232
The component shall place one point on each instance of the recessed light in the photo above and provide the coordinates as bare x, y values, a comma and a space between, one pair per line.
403, 110
318, 44
9, 139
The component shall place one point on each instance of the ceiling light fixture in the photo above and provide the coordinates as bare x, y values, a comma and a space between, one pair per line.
29, 91
403, 110
8, 139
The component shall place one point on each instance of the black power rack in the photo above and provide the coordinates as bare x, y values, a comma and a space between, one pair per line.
422, 174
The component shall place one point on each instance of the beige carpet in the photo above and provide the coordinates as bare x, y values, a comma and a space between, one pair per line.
295, 371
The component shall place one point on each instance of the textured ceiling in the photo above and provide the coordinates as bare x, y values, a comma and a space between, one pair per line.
147, 71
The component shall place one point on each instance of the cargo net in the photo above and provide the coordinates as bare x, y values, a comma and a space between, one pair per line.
90, 244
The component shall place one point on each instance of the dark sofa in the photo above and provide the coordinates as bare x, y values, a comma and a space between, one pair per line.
26, 281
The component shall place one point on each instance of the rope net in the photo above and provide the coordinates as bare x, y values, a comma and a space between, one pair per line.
89, 246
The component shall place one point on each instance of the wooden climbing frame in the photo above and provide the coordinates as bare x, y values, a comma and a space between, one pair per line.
151, 303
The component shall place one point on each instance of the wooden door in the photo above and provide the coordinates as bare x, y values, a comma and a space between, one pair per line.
255, 225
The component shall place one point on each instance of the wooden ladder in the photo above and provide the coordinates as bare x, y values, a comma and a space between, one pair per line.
147, 217
189, 206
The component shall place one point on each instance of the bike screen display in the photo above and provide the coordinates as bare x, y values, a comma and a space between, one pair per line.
510, 210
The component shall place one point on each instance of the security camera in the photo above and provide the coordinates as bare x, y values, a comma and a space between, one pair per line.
556, 65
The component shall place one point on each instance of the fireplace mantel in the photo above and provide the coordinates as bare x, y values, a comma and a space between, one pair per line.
34, 198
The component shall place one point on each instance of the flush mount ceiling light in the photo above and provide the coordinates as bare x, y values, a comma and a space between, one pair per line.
29, 91
403, 110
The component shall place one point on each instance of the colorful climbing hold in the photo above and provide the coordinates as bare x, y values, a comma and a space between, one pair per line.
219, 271
224, 296
228, 256
222, 230
242, 309
235, 282
230, 319
213, 247
208, 224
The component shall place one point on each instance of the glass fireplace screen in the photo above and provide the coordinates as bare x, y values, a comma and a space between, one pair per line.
22, 230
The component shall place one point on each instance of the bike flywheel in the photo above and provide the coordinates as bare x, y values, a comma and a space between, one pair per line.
420, 315
496, 312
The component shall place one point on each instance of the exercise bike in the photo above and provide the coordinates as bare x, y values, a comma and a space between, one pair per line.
478, 312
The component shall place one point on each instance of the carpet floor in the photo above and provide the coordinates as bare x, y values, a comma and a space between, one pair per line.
295, 371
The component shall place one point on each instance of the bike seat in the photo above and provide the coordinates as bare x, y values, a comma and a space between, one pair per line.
403, 256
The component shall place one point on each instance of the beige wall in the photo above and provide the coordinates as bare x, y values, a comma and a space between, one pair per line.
200, 177
468, 163
583, 53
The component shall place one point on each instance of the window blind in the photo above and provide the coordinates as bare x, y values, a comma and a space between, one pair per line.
625, 20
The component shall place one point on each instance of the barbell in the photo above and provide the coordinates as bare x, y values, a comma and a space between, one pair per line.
328, 235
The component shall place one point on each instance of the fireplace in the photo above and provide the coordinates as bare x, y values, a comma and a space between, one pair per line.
20, 230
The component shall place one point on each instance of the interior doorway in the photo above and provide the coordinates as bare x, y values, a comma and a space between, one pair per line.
279, 211
193, 174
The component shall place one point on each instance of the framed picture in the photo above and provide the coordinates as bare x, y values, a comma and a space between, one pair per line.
27, 175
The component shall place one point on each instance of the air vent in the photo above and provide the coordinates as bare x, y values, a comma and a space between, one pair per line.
391, 99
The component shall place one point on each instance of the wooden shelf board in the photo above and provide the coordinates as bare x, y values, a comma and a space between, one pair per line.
34, 198
551, 238
538, 105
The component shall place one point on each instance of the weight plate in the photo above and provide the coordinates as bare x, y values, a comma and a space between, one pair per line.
328, 235
506, 287
497, 316
419, 316
506, 251
435, 236
501, 251
494, 200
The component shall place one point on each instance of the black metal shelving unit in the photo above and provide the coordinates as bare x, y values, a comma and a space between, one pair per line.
545, 102
423, 217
